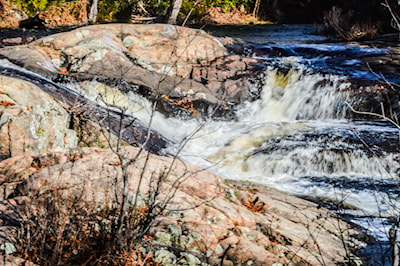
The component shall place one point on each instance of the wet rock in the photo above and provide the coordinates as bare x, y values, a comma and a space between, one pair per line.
33, 58
17, 40
31, 121
178, 62
15, 36
206, 220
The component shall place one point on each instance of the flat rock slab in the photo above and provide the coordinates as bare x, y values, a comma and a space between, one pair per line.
168, 60
205, 217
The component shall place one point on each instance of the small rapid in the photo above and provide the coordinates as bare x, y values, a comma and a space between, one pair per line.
303, 135
298, 94
297, 140
310, 133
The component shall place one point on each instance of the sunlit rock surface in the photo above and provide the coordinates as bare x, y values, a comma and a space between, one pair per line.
167, 60
31, 121
206, 217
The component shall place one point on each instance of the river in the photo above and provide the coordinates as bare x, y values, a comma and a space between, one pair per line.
301, 135
297, 137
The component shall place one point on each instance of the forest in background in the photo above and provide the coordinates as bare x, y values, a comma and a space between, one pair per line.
350, 19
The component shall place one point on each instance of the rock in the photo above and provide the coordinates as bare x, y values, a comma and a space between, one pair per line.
17, 40
31, 122
16, 36
34, 58
178, 62
206, 218
8, 260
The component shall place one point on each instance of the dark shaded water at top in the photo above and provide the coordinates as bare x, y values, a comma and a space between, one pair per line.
317, 52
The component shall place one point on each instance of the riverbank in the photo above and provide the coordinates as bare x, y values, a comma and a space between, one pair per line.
74, 14
205, 220
214, 222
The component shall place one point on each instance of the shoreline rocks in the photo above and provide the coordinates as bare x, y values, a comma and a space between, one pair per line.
208, 221
31, 121
207, 218
169, 61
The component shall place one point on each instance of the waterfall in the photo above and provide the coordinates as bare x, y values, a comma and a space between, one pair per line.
298, 94
296, 137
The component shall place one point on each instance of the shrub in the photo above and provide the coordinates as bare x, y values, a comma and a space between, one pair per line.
347, 26
32, 6
59, 231
66, 13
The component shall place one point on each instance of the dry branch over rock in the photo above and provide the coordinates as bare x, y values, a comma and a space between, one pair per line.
182, 63
212, 223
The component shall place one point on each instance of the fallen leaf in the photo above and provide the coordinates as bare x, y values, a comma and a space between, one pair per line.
6, 103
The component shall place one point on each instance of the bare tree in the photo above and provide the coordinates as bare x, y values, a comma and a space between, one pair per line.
256, 8
93, 11
173, 11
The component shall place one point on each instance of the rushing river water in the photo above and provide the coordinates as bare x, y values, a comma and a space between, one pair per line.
298, 137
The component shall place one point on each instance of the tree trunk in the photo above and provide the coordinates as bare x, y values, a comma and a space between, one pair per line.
275, 5
173, 10
256, 8
394, 244
93, 12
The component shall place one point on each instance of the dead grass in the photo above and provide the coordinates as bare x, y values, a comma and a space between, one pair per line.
216, 16
67, 14
10, 15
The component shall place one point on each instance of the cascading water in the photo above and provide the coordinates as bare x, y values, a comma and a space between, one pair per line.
297, 94
296, 137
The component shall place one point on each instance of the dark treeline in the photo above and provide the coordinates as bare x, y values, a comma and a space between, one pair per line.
312, 11
350, 19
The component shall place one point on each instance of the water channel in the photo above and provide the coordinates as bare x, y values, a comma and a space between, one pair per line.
298, 137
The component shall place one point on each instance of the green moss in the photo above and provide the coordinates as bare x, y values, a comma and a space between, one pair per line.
228, 197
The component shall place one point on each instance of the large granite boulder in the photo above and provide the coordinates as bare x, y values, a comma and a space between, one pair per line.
31, 121
170, 61
215, 222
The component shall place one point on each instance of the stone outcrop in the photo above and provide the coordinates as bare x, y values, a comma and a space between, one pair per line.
179, 63
31, 121
208, 219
